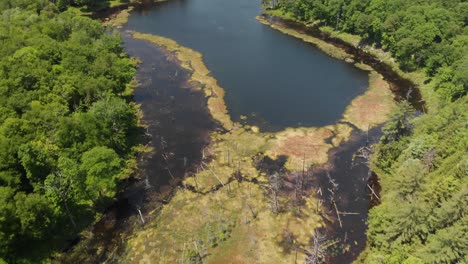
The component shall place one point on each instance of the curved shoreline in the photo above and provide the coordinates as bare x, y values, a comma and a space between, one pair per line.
331, 136
295, 143
399, 85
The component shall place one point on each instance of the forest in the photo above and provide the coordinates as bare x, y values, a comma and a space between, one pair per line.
422, 162
69, 129
428, 35
67, 126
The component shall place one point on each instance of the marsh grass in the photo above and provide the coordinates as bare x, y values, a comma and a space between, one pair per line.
307, 146
327, 48
418, 77
373, 107
200, 78
119, 19
231, 225
223, 214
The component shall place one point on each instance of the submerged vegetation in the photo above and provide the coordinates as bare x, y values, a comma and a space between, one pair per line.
67, 127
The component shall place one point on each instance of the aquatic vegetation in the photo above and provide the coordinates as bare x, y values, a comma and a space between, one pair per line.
373, 107
200, 79
302, 145
367, 110
328, 48
119, 19
223, 212
225, 209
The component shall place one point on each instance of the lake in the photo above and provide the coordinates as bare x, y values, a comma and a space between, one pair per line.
275, 80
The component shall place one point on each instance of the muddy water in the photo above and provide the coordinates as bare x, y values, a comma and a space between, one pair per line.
275, 80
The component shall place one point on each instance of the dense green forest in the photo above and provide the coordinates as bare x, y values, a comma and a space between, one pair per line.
422, 165
422, 162
66, 125
59, 5
430, 35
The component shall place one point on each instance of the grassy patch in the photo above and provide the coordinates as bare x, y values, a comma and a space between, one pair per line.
201, 78
373, 107
349, 38
417, 77
231, 225
307, 146
328, 48
119, 19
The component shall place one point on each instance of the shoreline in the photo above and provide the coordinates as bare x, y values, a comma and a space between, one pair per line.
401, 83
218, 110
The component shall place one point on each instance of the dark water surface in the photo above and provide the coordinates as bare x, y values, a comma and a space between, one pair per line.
178, 128
274, 79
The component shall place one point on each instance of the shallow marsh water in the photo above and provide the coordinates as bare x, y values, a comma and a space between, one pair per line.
273, 79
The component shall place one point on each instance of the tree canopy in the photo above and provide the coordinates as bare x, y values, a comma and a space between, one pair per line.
65, 125
421, 162
427, 34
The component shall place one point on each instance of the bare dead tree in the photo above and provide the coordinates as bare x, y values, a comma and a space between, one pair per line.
298, 190
303, 175
141, 215
365, 153
252, 211
316, 251
333, 188
429, 158
204, 165
373, 192
196, 181
273, 187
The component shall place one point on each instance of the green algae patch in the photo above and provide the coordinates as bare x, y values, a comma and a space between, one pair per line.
200, 78
373, 107
327, 48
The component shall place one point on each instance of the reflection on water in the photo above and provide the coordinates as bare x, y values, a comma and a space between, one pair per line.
275, 80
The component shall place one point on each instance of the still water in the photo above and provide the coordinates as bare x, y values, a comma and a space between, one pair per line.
275, 80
